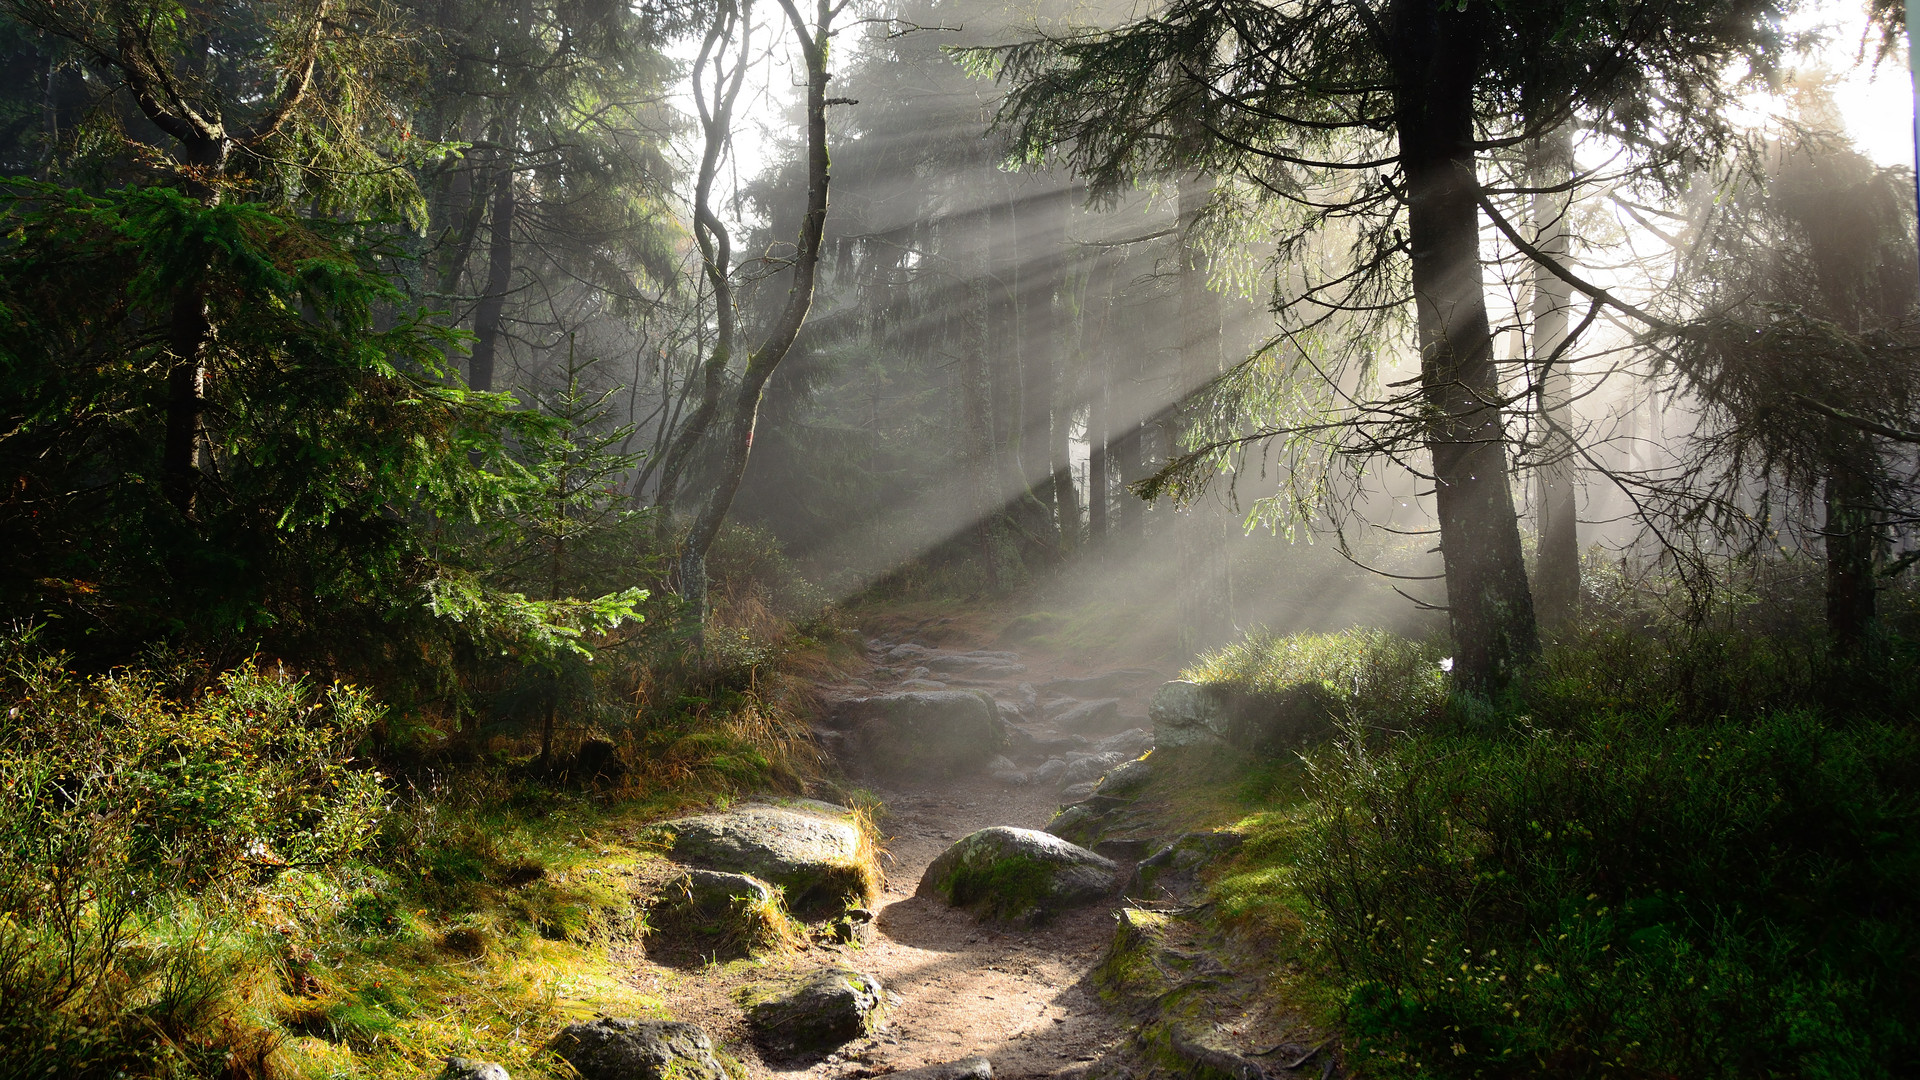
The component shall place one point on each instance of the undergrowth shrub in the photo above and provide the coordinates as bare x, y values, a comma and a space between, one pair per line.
1378, 678
1720, 899
127, 819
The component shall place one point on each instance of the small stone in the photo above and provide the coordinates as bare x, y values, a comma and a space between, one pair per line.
973, 1068
459, 1068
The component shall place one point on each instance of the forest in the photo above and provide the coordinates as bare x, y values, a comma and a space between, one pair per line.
1087, 539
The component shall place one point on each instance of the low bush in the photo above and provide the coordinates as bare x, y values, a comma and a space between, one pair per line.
1672, 851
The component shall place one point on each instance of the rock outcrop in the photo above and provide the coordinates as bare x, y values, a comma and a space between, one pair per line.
1212, 714
927, 733
811, 849
817, 1012
623, 1049
1017, 875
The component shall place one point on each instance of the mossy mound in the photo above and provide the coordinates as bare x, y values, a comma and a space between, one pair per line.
1017, 875
818, 1012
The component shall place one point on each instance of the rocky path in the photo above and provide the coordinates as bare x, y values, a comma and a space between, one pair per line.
958, 988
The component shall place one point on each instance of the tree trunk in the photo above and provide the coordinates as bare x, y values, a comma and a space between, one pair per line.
1097, 314
1489, 606
1852, 541
1206, 591
734, 433
183, 452
493, 301
1556, 584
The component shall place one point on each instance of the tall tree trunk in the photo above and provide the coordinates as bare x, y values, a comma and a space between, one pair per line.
183, 451
1206, 589
734, 431
493, 301
1489, 606
1064, 330
1556, 582
1033, 297
1097, 314
969, 329
1852, 540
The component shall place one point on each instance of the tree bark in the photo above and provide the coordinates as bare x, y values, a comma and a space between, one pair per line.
1489, 605
1853, 540
1206, 590
734, 432
493, 300
1556, 584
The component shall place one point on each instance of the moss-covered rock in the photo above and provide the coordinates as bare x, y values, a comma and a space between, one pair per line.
812, 850
1017, 875
1220, 714
817, 1012
928, 733
722, 912
622, 1049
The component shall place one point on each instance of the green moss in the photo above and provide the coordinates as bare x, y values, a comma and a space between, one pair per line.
1006, 888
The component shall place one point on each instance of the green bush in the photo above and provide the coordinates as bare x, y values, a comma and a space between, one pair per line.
1638, 898
1379, 678
127, 817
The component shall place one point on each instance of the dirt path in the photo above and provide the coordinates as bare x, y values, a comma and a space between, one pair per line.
1021, 998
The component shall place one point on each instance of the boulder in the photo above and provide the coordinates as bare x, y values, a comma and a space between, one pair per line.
1006, 771
907, 653
1073, 793
921, 685
1106, 684
1212, 714
1132, 742
459, 1068
928, 734
623, 1049
597, 759
1173, 871
1082, 768
973, 1068
1126, 779
711, 893
1017, 875
964, 664
817, 1012
811, 849
1050, 771
1089, 714
723, 912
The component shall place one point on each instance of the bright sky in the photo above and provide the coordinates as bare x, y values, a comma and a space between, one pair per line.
1876, 99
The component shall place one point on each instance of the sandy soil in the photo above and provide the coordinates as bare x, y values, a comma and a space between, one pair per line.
1021, 998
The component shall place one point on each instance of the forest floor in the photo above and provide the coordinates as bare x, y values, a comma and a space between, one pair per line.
957, 988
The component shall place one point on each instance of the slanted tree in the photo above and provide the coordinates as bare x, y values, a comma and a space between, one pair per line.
1367, 122
723, 421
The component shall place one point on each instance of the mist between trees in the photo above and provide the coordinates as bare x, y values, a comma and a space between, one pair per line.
1464, 295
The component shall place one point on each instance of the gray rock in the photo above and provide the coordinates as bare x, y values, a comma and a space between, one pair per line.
922, 685
1077, 823
1196, 714
1132, 742
459, 1068
1085, 767
1029, 697
623, 1049
941, 733
961, 663
811, 849
1173, 871
973, 1068
921, 672
1107, 684
1006, 771
1089, 714
1126, 779
1018, 875
994, 654
1073, 793
907, 652
817, 1012
711, 893
1049, 771
1009, 713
